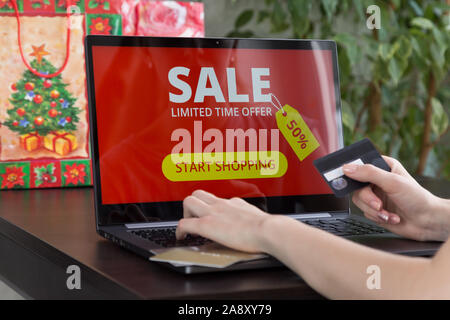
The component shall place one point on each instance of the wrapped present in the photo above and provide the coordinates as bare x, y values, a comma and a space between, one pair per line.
30, 141
60, 142
163, 18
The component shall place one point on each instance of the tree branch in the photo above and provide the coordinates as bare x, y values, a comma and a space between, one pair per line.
426, 144
435, 142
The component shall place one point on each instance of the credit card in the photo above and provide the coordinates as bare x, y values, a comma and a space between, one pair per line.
209, 255
330, 166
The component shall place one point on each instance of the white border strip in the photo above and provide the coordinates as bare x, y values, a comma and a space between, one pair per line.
338, 172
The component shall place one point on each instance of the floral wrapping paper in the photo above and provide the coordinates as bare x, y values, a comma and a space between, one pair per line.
163, 18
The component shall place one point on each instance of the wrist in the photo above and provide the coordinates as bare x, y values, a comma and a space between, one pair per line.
270, 232
264, 233
439, 219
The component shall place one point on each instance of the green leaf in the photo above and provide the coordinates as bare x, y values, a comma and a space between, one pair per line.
378, 137
404, 48
39, 171
417, 9
395, 70
393, 50
438, 55
439, 119
243, 18
299, 8
345, 68
93, 4
359, 8
429, 11
418, 47
348, 119
350, 44
387, 51
106, 6
440, 38
329, 6
278, 18
51, 168
383, 51
299, 11
422, 23
442, 6
262, 15
396, 3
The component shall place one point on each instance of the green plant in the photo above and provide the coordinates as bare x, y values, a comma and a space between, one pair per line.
394, 81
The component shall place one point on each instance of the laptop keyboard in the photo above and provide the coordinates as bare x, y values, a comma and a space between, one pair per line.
345, 227
165, 237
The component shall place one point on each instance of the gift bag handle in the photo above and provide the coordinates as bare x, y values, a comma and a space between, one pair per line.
52, 75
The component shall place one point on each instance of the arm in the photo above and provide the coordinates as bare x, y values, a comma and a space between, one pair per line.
333, 266
337, 268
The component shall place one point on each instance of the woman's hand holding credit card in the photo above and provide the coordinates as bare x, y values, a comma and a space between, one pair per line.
384, 190
359, 153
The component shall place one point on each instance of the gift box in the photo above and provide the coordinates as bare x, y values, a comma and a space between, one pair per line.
60, 142
30, 141
163, 18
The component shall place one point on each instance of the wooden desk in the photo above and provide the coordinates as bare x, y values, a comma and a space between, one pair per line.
42, 232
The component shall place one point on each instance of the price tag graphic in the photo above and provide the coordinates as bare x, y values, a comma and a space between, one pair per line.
296, 131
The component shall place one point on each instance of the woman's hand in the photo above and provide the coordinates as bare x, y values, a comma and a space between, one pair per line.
398, 203
234, 223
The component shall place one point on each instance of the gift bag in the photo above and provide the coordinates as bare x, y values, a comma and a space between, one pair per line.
44, 133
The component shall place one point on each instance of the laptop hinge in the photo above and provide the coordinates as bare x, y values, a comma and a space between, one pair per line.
175, 223
309, 216
151, 224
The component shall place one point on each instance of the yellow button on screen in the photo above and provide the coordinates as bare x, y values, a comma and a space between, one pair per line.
224, 165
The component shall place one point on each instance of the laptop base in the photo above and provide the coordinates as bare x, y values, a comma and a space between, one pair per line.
388, 242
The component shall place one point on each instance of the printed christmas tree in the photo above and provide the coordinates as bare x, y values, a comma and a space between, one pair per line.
41, 105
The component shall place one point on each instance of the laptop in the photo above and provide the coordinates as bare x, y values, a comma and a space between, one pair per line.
172, 115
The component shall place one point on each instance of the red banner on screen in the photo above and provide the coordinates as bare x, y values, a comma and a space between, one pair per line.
143, 95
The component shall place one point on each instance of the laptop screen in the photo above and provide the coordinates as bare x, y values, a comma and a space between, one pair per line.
238, 118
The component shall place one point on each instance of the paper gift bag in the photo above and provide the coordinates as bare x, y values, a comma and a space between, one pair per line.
43, 89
